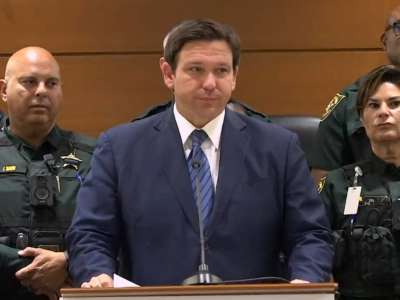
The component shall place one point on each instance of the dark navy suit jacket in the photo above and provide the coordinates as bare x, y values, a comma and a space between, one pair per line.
138, 198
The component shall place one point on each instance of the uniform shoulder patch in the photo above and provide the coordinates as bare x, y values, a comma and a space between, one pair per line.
332, 104
321, 184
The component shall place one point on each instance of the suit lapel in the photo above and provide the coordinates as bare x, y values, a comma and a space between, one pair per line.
234, 142
175, 167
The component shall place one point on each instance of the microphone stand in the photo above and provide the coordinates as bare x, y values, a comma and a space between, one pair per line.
203, 275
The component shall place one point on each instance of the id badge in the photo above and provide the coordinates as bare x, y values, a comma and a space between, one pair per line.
352, 200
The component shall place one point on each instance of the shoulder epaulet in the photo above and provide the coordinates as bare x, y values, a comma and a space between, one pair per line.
250, 111
4, 140
154, 110
84, 147
85, 144
81, 142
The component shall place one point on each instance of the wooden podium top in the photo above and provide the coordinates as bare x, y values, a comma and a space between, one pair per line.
211, 290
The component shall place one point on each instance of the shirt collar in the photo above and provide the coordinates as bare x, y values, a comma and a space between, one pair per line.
383, 168
212, 128
52, 142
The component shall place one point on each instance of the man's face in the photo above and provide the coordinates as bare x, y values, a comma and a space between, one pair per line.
381, 115
391, 38
203, 80
32, 91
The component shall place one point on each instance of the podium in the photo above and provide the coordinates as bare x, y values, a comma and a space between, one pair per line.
308, 291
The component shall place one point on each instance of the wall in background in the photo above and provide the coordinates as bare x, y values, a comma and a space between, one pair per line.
296, 54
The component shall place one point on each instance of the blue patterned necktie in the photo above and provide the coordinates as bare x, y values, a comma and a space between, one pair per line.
200, 175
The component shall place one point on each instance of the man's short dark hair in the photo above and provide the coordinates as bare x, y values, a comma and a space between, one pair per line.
200, 30
378, 76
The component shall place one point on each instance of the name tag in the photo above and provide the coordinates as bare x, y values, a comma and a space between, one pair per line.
352, 200
10, 168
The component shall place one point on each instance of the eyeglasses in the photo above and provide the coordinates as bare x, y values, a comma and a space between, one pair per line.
396, 28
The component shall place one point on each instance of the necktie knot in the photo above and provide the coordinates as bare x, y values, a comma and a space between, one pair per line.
198, 137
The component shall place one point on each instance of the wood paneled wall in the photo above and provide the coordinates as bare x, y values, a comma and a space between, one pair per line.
296, 54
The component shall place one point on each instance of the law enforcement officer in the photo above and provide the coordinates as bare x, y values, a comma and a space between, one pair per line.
363, 199
341, 135
41, 168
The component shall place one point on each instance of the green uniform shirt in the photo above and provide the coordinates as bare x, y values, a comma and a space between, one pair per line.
53, 142
341, 138
379, 203
40, 225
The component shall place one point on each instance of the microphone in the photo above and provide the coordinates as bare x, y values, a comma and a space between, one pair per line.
203, 275
358, 172
50, 162
196, 165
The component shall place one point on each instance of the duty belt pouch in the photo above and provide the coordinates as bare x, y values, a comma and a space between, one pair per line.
5, 240
353, 236
50, 240
340, 249
396, 236
378, 256
396, 217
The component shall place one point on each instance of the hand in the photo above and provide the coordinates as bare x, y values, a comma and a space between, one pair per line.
45, 274
299, 281
100, 281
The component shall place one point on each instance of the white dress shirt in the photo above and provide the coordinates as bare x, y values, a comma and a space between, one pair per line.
210, 147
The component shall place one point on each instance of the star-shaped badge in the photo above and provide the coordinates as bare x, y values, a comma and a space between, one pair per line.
71, 160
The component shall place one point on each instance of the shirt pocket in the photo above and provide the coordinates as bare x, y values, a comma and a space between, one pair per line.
68, 184
14, 195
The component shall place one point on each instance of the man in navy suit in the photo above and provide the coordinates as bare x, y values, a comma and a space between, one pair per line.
256, 193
